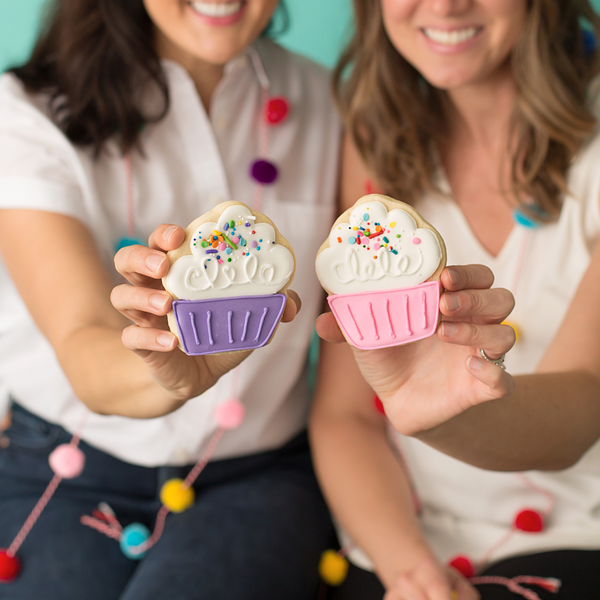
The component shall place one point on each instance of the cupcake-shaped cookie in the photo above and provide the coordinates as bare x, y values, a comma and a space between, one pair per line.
229, 280
381, 266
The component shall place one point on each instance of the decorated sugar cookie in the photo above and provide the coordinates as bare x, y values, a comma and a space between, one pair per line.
229, 280
381, 266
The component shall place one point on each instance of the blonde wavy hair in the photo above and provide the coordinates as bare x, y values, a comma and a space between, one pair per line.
394, 116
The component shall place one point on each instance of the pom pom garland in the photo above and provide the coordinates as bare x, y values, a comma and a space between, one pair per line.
333, 568
464, 565
230, 415
133, 536
276, 110
530, 521
67, 461
176, 497
10, 567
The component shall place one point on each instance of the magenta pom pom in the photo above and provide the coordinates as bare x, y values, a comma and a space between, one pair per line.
230, 415
67, 461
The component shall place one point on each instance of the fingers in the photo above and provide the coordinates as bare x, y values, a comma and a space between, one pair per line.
462, 588
495, 340
328, 329
292, 306
499, 382
141, 305
166, 237
141, 266
144, 339
462, 277
487, 305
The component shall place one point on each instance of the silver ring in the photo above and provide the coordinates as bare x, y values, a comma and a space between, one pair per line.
499, 362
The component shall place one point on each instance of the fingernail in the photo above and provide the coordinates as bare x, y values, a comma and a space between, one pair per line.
169, 232
475, 363
158, 301
452, 276
448, 329
154, 262
165, 340
452, 301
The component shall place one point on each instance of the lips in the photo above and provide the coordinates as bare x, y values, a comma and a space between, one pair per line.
217, 10
452, 37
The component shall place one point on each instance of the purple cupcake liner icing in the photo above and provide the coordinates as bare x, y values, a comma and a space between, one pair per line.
227, 324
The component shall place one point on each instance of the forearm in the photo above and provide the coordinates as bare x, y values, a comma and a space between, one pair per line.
547, 423
368, 492
112, 380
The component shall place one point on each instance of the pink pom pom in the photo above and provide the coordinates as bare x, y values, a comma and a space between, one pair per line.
529, 520
67, 461
10, 567
230, 415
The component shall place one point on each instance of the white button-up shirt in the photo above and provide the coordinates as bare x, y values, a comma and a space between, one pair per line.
191, 162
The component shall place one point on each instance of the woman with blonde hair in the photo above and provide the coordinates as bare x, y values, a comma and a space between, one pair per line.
482, 114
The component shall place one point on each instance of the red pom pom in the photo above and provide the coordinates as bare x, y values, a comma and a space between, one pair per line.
379, 405
464, 565
67, 461
530, 521
10, 567
230, 415
276, 110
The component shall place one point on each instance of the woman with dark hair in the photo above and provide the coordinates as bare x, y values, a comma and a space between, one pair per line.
483, 115
131, 114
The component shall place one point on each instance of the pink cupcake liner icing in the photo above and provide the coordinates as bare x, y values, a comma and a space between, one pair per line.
381, 319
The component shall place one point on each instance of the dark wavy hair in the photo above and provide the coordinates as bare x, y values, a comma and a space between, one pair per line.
93, 58
395, 117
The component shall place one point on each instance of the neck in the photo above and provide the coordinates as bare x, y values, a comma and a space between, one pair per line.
481, 112
205, 76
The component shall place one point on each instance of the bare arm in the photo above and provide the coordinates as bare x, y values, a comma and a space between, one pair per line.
62, 280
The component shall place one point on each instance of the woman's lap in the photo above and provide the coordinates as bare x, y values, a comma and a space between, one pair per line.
256, 530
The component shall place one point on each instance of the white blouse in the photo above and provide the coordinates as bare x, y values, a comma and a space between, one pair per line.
192, 161
467, 510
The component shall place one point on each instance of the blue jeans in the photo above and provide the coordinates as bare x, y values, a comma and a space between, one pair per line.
256, 530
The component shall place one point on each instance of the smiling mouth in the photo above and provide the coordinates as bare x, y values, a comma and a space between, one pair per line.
217, 10
451, 38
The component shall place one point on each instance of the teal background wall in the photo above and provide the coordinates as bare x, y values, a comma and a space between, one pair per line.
318, 28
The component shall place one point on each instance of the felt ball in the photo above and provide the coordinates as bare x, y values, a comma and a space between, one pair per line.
463, 564
379, 405
263, 171
230, 415
10, 567
277, 110
176, 497
67, 461
133, 535
530, 521
333, 568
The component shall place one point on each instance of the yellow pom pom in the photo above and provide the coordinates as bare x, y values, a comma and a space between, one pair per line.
175, 497
515, 329
333, 568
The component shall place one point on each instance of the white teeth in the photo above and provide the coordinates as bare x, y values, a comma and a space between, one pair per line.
451, 38
217, 9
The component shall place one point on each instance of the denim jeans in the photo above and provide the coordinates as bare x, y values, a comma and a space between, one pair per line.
256, 530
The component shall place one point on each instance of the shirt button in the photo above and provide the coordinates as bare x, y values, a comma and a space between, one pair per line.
180, 455
242, 61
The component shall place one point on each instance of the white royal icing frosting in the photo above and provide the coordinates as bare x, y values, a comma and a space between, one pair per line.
247, 263
397, 255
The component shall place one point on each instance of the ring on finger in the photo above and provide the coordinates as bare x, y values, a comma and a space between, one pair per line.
499, 362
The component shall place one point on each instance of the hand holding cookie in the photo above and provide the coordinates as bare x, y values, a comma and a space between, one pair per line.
426, 383
146, 303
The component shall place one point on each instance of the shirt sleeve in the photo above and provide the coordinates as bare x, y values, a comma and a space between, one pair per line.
38, 165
